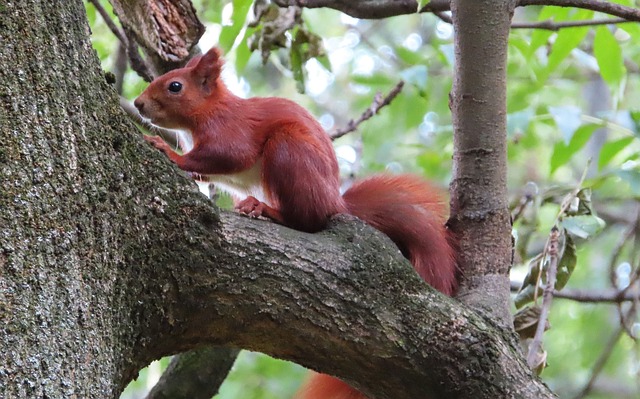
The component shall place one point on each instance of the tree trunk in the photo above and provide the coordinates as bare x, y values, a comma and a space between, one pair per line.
110, 259
479, 209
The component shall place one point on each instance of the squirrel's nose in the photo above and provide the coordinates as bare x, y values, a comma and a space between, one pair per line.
139, 104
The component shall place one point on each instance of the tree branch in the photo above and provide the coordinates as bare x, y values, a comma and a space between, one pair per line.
610, 296
629, 13
550, 24
197, 374
166, 30
369, 9
376, 9
232, 281
378, 103
137, 63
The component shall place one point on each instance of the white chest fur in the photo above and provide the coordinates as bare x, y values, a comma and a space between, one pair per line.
242, 184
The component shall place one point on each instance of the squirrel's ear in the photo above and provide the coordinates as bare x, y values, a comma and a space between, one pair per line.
208, 66
193, 61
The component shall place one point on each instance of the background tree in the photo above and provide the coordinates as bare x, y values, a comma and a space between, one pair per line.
108, 262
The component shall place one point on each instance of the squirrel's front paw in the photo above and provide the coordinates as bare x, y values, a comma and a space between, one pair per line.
157, 142
250, 206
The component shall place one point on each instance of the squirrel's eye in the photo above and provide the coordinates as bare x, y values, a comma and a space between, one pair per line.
175, 87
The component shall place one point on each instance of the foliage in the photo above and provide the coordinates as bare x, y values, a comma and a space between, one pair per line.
573, 95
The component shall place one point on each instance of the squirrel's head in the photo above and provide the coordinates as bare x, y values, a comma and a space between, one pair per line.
176, 99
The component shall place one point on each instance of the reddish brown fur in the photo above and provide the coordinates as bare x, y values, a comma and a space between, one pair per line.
298, 175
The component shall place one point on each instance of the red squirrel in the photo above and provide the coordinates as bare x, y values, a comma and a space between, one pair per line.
273, 155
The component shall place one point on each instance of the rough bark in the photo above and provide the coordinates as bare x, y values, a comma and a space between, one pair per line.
196, 374
109, 259
166, 30
65, 199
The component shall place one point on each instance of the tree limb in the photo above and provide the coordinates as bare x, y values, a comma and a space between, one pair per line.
376, 9
308, 298
378, 103
550, 24
606, 7
167, 30
197, 374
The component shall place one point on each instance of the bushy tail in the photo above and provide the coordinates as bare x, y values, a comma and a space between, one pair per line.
412, 214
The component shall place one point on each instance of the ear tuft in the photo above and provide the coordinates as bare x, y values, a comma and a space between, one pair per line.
193, 61
208, 66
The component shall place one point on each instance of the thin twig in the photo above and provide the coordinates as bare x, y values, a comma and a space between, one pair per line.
556, 26
550, 24
551, 251
378, 103
547, 298
118, 33
138, 64
629, 13
608, 296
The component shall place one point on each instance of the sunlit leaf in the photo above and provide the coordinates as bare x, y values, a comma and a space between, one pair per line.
540, 37
563, 153
422, 3
229, 33
567, 40
611, 149
243, 52
607, 51
376, 79
583, 226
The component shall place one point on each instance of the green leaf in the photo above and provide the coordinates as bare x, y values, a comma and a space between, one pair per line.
229, 33
632, 178
540, 37
527, 291
377, 79
422, 3
607, 51
583, 226
297, 63
567, 40
567, 263
611, 149
243, 52
562, 153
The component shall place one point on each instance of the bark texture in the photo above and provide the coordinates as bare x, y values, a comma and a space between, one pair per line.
196, 374
479, 209
109, 259
167, 30
68, 206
